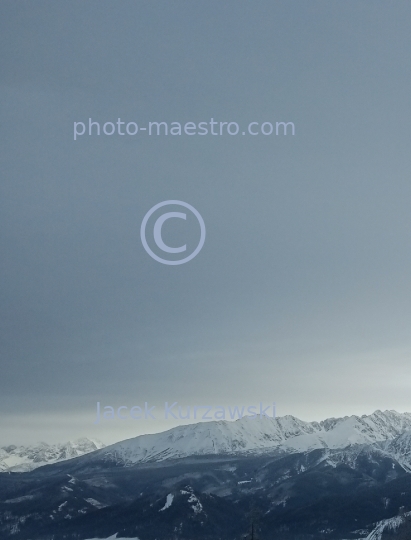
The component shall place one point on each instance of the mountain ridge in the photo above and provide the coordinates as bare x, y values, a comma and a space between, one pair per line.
284, 434
389, 431
26, 458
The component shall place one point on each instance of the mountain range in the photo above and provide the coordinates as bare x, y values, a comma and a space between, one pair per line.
341, 479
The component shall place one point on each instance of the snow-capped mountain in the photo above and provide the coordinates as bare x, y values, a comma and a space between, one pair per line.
347, 478
264, 434
26, 458
390, 431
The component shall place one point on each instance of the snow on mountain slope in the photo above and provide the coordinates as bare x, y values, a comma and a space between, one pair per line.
220, 437
389, 430
391, 524
259, 434
21, 458
400, 449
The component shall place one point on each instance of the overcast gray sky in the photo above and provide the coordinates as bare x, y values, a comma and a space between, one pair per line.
301, 294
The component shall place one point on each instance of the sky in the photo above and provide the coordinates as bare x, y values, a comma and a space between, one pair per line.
301, 293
